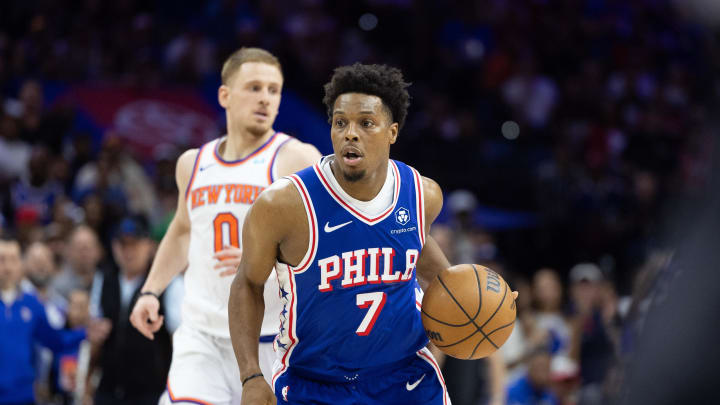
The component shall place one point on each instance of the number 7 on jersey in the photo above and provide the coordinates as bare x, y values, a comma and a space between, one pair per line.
374, 300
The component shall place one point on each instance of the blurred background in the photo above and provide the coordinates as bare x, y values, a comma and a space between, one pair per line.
568, 136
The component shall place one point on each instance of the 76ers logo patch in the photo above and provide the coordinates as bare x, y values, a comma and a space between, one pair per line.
402, 216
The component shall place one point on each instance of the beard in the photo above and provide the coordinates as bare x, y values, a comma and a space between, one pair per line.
353, 177
39, 281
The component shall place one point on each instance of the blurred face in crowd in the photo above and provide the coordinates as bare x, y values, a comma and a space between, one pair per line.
586, 294
132, 254
94, 210
539, 370
8, 127
525, 297
38, 166
83, 251
645, 186
251, 97
78, 314
444, 238
10, 265
31, 96
547, 290
39, 264
362, 132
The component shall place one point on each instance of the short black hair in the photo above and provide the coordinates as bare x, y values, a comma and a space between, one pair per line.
382, 81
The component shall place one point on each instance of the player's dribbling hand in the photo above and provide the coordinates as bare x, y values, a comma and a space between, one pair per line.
257, 392
145, 316
228, 260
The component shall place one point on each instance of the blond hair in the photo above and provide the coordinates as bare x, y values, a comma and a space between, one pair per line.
243, 55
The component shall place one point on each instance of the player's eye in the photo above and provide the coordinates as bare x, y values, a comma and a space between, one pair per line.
368, 123
255, 88
339, 123
273, 90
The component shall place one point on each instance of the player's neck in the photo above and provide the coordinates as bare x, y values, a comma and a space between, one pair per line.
239, 144
366, 188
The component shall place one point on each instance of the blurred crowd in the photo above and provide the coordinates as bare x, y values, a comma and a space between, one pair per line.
575, 335
590, 116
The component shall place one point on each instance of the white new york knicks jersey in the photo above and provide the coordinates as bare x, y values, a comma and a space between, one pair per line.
218, 197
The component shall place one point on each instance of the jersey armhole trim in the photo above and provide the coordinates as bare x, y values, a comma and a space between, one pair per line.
194, 171
312, 225
271, 168
420, 205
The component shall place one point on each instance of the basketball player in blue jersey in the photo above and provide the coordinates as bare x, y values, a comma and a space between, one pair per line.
217, 184
348, 237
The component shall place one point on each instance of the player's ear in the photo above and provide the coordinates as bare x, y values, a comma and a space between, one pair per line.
224, 96
394, 130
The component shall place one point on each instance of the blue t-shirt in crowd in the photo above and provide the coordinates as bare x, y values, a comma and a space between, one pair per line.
22, 325
521, 392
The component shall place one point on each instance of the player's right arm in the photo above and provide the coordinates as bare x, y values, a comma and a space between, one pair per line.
171, 257
267, 236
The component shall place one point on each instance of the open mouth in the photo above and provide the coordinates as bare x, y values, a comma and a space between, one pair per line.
352, 157
261, 114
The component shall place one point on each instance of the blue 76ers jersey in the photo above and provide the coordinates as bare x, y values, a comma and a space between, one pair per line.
350, 306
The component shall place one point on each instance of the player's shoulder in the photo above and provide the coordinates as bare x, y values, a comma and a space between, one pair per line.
278, 205
432, 197
188, 157
185, 166
295, 145
295, 155
431, 188
280, 195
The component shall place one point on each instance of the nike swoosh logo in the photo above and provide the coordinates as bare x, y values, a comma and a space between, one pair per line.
207, 167
412, 386
329, 228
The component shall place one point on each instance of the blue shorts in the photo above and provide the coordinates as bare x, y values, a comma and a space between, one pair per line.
419, 382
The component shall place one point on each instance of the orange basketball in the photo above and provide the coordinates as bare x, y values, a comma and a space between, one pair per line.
468, 311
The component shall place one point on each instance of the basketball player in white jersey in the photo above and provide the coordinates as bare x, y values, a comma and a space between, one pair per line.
217, 184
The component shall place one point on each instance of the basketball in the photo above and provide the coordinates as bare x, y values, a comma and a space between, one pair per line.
468, 311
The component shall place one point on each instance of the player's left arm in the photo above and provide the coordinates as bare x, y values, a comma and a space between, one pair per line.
432, 260
295, 156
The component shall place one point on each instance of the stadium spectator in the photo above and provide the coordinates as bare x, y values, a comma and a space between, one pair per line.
526, 337
23, 323
134, 368
565, 375
36, 194
82, 256
118, 171
534, 387
40, 269
14, 152
594, 314
547, 293
65, 364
